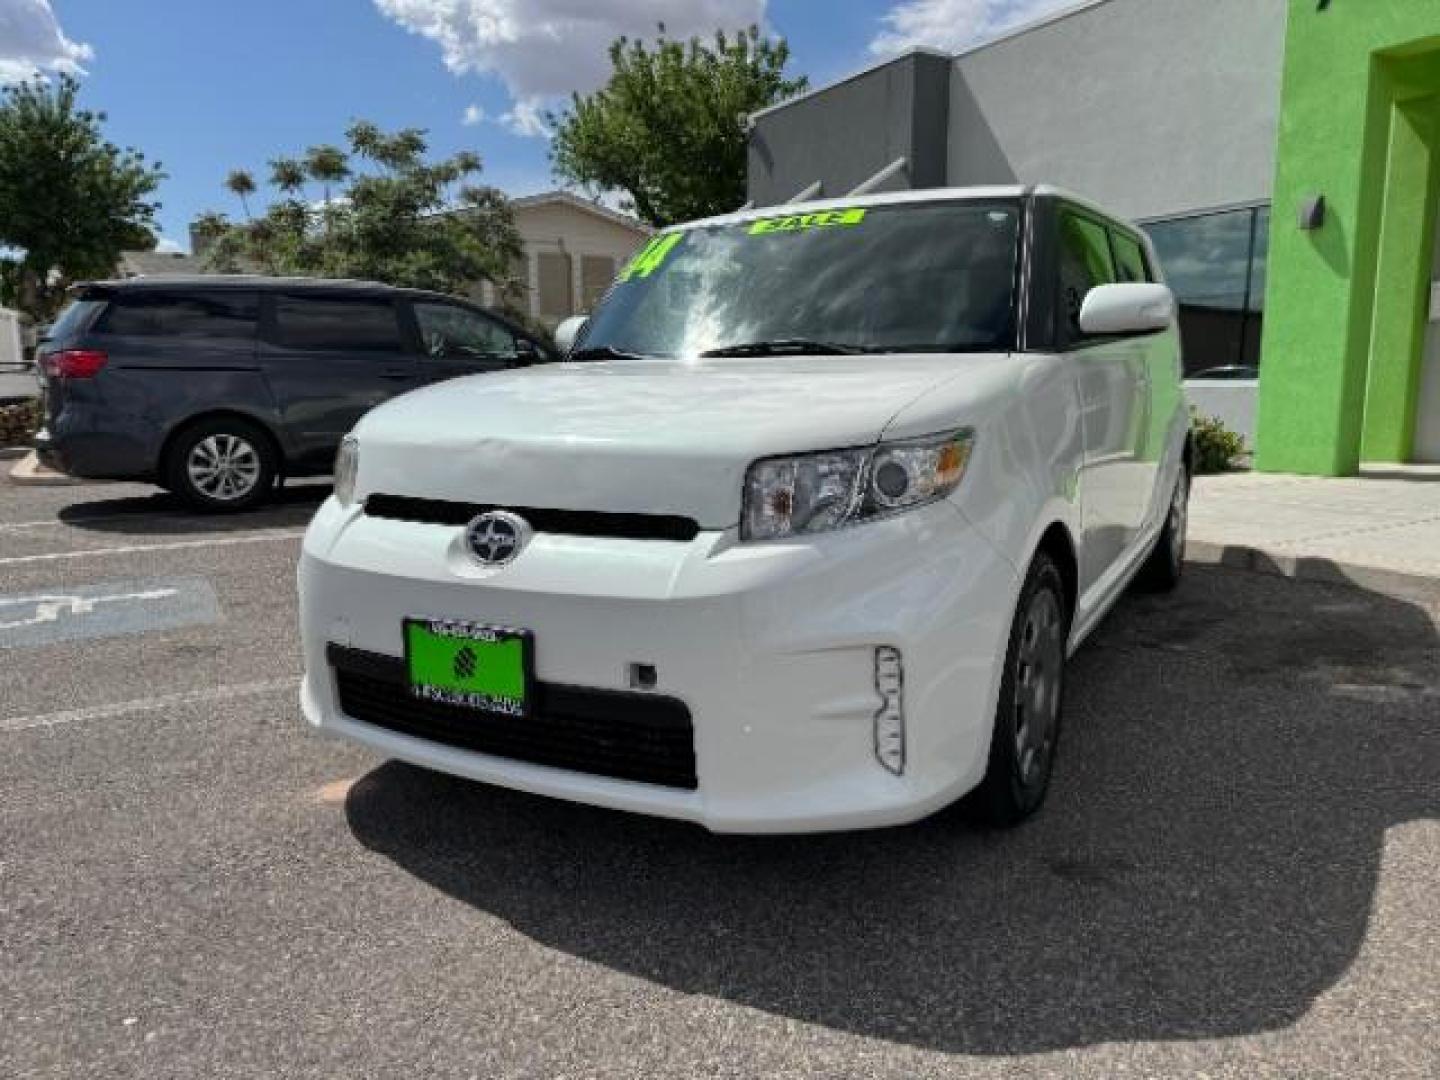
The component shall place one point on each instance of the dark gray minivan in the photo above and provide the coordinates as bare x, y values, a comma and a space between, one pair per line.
213, 387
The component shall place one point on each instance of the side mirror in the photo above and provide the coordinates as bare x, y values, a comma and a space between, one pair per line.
527, 352
568, 331
1127, 309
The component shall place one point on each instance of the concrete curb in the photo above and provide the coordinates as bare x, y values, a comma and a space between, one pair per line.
1395, 583
28, 472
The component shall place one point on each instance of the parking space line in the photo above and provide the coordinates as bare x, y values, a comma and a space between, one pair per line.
153, 704
130, 549
134, 515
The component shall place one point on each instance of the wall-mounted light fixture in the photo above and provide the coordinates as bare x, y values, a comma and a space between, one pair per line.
1312, 213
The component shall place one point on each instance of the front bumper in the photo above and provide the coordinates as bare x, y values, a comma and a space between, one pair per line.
771, 648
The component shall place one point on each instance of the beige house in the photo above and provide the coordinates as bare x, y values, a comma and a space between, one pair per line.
573, 250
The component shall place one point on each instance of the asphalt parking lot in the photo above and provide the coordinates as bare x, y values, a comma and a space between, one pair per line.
1237, 873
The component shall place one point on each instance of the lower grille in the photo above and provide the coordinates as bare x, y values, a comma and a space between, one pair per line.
640, 737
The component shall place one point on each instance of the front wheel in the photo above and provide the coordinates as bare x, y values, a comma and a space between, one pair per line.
222, 465
1027, 720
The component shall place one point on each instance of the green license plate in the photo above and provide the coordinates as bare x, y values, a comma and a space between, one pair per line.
486, 668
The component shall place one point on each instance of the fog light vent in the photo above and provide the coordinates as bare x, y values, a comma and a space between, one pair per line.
890, 720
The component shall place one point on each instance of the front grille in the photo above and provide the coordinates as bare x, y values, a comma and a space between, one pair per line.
641, 737
566, 522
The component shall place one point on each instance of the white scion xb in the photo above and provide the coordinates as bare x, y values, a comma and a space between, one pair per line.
800, 538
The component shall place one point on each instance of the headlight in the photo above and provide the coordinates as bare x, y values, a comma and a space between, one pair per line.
812, 493
347, 466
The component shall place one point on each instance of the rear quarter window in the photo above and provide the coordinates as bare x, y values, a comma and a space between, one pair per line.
1130, 262
75, 317
342, 324
197, 315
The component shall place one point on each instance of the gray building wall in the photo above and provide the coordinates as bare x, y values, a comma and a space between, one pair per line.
846, 133
1152, 107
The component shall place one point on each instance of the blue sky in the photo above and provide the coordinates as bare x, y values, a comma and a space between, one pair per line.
207, 85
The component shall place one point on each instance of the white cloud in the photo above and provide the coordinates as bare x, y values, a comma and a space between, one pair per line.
527, 118
166, 246
543, 50
474, 114
31, 41
953, 25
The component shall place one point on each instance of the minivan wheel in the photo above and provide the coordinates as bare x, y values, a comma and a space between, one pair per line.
1027, 719
222, 465
1166, 565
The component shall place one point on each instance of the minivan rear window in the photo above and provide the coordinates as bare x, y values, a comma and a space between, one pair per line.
76, 314
342, 323
162, 314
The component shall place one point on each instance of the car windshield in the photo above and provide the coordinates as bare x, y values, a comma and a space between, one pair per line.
934, 277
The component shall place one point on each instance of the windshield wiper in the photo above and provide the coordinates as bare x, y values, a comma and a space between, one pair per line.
784, 347
601, 352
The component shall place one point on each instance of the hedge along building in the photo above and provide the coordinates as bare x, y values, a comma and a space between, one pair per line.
1284, 156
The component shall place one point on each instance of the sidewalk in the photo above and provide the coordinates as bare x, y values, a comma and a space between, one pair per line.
1381, 530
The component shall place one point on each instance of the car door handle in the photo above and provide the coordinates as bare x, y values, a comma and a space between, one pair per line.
396, 373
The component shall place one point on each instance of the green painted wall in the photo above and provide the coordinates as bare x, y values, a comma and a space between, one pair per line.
1359, 124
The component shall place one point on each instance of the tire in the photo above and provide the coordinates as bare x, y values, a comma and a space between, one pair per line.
1165, 566
1027, 718
222, 465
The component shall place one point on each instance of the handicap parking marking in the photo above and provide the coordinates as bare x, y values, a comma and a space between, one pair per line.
48, 607
105, 609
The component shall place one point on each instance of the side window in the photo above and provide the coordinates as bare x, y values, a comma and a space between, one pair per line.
1130, 259
1085, 262
146, 313
338, 323
454, 332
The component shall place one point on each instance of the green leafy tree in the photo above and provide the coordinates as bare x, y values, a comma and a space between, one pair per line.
399, 218
668, 129
70, 201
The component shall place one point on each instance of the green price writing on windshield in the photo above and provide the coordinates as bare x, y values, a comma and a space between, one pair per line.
651, 256
802, 222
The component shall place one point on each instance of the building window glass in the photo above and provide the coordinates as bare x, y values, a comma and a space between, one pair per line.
1215, 263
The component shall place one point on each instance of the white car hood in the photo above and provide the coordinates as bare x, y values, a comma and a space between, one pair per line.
643, 436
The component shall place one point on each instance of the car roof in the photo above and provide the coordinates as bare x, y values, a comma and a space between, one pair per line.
250, 281
914, 196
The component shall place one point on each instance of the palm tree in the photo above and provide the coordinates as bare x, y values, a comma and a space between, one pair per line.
242, 184
288, 175
327, 165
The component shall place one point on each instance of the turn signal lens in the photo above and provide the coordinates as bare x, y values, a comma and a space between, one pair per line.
74, 363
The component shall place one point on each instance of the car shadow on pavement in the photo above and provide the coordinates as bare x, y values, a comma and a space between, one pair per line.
1205, 867
163, 514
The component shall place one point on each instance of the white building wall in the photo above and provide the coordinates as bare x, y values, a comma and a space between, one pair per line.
1152, 107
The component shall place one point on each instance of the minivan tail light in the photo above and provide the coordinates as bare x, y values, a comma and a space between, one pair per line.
74, 363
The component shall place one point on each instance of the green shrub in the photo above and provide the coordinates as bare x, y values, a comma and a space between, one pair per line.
1216, 446
19, 422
